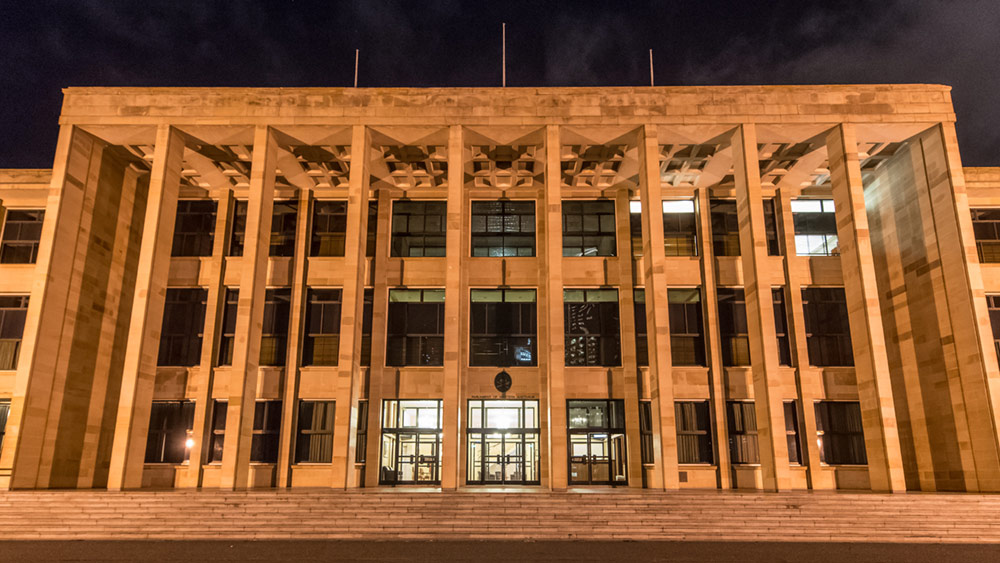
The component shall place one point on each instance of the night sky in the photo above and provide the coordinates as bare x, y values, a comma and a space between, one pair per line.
46, 45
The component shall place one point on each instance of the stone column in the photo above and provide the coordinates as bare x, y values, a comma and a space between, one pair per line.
768, 400
349, 376
453, 339
380, 303
142, 348
885, 464
552, 297
250, 314
657, 319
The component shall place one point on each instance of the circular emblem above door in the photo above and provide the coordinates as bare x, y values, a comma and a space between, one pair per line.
502, 381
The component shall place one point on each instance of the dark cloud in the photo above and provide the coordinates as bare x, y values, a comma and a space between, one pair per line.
48, 44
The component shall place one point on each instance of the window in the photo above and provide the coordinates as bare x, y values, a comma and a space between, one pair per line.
227, 338
596, 432
194, 228
680, 228
503, 442
361, 436
792, 433
641, 337
321, 344
415, 332
13, 312
283, 221
589, 228
4, 413
329, 228
635, 227
239, 232
828, 330
725, 227
274, 334
986, 226
733, 327
503, 327
418, 228
314, 440
992, 304
781, 326
266, 427
687, 339
411, 442
503, 228
771, 228
21, 234
372, 235
593, 336
366, 327
646, 432
815, 227
841, 434
183, 323
742, 432
217, 440
694, 437
169, 439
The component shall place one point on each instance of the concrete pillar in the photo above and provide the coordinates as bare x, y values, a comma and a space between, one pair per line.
657, 319
768, 400
885, 464
142, 348
250, 314
552, 296
453, 339
349, 376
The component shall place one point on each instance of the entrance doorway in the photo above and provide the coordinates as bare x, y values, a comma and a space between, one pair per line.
411, 442
503, 442
597, 453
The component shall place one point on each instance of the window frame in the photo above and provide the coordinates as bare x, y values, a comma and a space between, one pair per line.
401, 243
609, 346
8, 241
601, 247
507, 356
10, 317
194, 316
706, 442
426, 343
742, 432
321, 240
301, 432
199, 240
676, 238
331, 307
503, 235
825, 437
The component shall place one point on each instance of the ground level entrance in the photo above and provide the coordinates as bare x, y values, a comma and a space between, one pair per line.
503, 442
597, 443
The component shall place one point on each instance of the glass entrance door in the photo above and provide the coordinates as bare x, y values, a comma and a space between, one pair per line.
597, 443
503, 443
411, 442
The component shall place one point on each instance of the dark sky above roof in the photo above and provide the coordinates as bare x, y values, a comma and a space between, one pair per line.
49, 44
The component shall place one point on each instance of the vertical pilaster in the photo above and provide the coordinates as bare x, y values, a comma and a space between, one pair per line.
452, 310
885, 464
376, 371
250, 314
139, 371
657, 321
768, 400
552, 292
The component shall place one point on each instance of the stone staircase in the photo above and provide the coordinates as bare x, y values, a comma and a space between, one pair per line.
406, 514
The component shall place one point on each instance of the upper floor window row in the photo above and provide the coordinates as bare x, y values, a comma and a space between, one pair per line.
22, 232
986, 227
815, 227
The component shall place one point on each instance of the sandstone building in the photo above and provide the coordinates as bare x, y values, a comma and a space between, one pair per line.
712, 287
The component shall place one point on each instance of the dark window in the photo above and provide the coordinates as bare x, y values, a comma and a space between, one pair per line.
321, 345
21, 233
217, 440
641, 337
646, 432
593, 336
183, 323
314, 441
329, 228
283, 221
361, 437
266, 427
503, 228
227, 337
815, 227
239, 229
733, 327
841, 434
589, 228
372, 228
418, 228
725, 227
503, 327
792, 433
992, 304
742, 420
274, 334
4, 412
170, 424
771, 228
828, 331
635, 227
986, 226
366, 327
694, 435
687, 337
415, 333
781, 326
13, 312
680, 228
194, 228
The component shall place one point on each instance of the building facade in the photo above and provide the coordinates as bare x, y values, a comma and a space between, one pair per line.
715, 287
